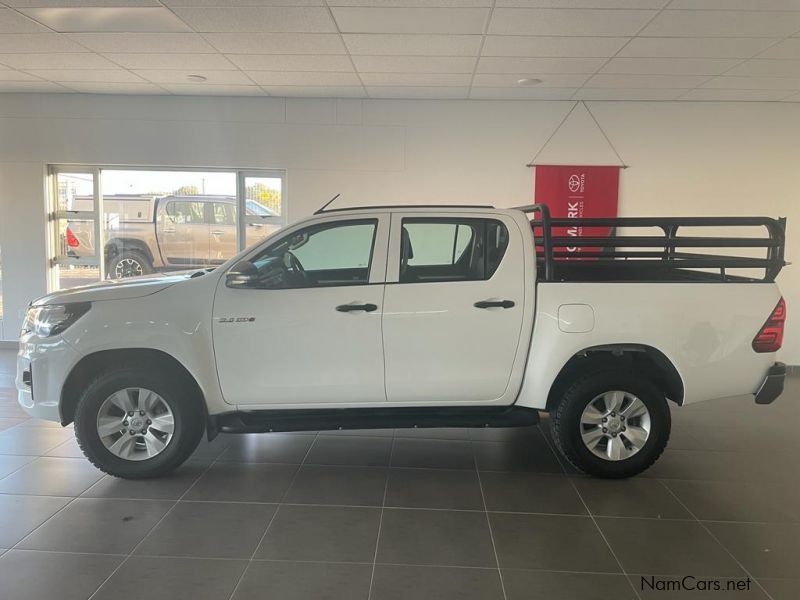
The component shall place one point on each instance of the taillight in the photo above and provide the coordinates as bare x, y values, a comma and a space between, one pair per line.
72, 241
770, 337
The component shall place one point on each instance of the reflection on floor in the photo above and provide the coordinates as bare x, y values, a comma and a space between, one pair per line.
443, 513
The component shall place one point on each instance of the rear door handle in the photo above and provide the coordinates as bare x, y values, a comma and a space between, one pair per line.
168, 231
217, 232
355, 307
494, 304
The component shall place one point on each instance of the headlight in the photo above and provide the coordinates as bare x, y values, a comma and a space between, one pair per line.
52, 319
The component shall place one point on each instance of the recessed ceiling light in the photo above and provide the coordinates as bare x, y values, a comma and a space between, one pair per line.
528, 81
196, 78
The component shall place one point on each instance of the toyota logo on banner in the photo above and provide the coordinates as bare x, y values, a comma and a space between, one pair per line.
574, 183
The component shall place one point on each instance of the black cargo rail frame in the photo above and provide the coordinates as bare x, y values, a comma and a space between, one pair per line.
653, 257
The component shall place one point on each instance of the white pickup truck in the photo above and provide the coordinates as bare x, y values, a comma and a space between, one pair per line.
434, 316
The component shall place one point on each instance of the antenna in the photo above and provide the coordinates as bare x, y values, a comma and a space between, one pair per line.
324, 206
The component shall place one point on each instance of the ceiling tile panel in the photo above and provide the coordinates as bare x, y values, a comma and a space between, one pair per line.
683, 47
188, 89
633, 4
304, 78
786, 49
552, 22
411, 20
79, 20
316, 91
588, 93
413, 45
521, 93
417, 79
754, 83
143, 42
792, 98
502, 45
539, 65
511, 79
735, 95
256, 19
37, 42
80, 3
277, 43
767, 68
83, 60
12, 75
710, 23
180, 76
13, 22
669, 66
292, 62
31, 87
434, 93
219, 3
646, 81
114, 88
171, 61
86, 75
409, 3
736, 4
414, 64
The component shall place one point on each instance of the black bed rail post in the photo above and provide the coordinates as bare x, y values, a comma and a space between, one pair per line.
547, 241
775, 254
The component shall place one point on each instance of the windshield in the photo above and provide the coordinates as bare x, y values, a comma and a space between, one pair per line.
254, 208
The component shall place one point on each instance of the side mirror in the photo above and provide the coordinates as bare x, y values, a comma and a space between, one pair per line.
243, 274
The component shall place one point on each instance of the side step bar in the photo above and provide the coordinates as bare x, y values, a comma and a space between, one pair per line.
326, 419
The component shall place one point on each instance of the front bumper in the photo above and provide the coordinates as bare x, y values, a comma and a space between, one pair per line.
43, 365
772, 386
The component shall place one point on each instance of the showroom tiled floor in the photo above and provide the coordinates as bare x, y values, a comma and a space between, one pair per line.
451, 513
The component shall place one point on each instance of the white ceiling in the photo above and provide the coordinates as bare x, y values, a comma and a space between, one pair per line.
580, 49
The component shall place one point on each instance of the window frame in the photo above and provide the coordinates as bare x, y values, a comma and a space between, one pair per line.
375, 221
53, 214
395, 251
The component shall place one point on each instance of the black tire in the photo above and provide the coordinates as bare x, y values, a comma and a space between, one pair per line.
186, 408
129, 263
565, 423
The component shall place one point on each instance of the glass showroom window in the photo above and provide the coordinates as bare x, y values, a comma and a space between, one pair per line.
155, 220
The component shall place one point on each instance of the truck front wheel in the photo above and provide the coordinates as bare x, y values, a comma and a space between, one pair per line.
128, 263
137, 422
611, 424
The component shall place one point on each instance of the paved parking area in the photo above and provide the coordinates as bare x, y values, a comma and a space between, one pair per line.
406, 514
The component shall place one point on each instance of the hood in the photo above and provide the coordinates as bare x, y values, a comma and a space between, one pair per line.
117, 289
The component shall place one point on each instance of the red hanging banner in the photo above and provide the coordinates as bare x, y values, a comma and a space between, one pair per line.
572, 192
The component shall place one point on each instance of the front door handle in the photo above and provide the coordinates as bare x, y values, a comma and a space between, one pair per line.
168, 231
494, 304
217, 232
355, 307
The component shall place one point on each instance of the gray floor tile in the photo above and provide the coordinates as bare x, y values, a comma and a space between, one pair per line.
51, 476
30, 575
101, 526
522, 454
653, 547
211, 450
433, 433
432, 454
8, 423
33, 440
9, 463
304, 581
359, 432
352, 486
435, 537
321, 533
268, 448
781, 589
730, 501
33, 422
434, 488
765, 549
19, 515
503, 434
393, 582
526, 585
210, 530
634, 497
350, 450
167, 487
550, 542
530, 492
243, 482
68, 449
167, 578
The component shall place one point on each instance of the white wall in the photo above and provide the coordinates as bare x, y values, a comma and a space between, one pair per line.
685, 158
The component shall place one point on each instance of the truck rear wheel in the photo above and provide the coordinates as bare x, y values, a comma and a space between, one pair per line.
611, 424
129, 263
138, 422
